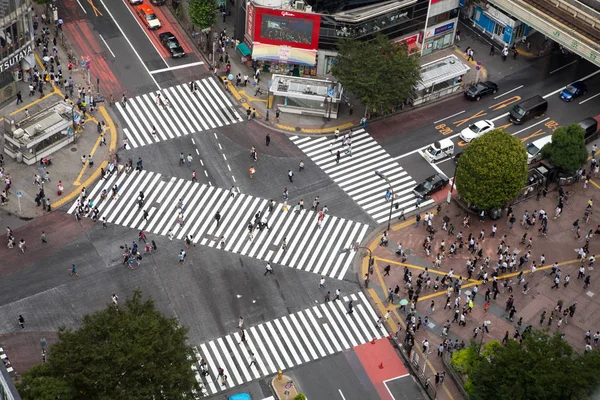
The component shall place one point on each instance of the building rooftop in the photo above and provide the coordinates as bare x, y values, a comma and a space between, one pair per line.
441, 70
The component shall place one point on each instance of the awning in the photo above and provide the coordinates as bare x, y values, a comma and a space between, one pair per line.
243, 48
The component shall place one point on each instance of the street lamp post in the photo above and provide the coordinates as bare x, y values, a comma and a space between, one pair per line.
382, 176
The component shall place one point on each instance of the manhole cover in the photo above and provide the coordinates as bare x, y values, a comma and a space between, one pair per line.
73, 149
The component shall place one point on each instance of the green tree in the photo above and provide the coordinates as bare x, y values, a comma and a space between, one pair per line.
44, 3
300, 396
203, 13
492, 170
128, 352
380, 73
542, 367
567, 150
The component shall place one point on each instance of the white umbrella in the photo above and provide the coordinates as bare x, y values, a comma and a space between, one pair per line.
468, 292
46, 58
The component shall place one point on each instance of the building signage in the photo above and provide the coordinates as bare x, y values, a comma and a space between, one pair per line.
443, 28
250, 23
500, 16
16, 58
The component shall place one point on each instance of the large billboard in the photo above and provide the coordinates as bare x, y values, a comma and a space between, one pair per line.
284, 28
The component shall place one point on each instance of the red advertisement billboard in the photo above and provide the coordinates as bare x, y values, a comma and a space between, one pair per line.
283, 27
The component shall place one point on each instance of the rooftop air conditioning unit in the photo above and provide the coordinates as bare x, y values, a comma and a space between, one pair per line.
37, 128
18, 133
299, 5
308, 9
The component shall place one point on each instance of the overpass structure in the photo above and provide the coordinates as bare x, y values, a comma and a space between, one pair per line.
571, 23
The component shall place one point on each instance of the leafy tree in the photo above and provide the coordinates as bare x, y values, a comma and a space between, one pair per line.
128, 352
567, 150
43, 2
380, 73
542, 367
492, 170
300, 396
203, 13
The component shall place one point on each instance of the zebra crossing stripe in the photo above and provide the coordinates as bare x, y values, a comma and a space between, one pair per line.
289, 341
355, 173
310, 247
187, 113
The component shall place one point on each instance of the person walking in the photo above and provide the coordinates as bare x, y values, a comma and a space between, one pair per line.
337, 294
470, 57
350, 307
291, 175
21, 321
43, 237
22, 245
115, 299
337, 157
19, 97
492, 50
269, 269
268, 139
241, 322
322, 283
252, 171
504, 54
252, 360
74, 271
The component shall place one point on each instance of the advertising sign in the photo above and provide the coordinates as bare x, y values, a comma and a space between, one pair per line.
285, 28
250, 22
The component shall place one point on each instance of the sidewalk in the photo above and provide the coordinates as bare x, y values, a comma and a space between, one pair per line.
66, 163
559, 246
303, 124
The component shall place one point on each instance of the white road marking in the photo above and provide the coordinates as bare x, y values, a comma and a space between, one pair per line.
341, 394
453, 115
81, 5
194, 64
564, 66
589, 98
510, 91
107, 46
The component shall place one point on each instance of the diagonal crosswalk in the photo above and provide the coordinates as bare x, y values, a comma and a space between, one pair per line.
355, 173
287, 342
206, 108
308, 245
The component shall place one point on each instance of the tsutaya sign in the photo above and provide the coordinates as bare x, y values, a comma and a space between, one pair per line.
14, 59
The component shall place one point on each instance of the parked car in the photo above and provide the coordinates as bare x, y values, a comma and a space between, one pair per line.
573, 91
172, 44
135, 2
431, 185
481, 89
439, 150
147, 15
475, 130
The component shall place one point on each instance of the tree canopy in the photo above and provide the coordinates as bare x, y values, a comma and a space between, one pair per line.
127, 352
542, 367
492, 170
567, 150
203, 13
380, 73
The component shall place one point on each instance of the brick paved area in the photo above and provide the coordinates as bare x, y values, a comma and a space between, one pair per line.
560, 245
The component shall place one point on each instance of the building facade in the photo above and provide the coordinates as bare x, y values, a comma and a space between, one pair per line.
497, 25
16, 44
300, 38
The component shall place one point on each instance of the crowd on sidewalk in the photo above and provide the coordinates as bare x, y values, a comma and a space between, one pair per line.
500, 264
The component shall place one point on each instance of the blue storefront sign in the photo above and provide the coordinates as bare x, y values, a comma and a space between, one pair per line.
443, 28
461, 3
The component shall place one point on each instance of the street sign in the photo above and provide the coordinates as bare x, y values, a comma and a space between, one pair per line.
388, 195
330, 92
19, 194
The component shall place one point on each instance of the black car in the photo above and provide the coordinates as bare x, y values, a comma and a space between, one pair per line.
481, 89
172, 44
431, 185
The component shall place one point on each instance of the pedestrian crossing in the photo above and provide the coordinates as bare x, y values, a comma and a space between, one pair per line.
206, 108
355, 172
287, 342
294, 238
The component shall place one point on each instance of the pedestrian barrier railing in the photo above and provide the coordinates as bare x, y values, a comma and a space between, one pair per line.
426, 381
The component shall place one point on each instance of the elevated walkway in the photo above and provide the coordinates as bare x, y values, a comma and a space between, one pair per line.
572, 24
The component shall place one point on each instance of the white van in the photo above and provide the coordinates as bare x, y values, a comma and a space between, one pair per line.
438, 150
534, 149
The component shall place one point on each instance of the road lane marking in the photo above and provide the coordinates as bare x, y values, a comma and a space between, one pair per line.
158, 71
342, 394
81, 5
589, 98
510, 91
107, 46
129, 42
564, 66
453, 115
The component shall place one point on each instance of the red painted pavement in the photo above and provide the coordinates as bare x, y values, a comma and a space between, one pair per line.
84, 41
371, 355
442, 195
